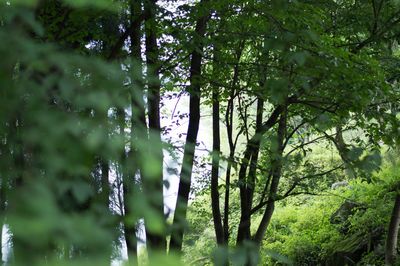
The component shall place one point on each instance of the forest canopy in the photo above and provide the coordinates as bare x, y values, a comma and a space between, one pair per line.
198, 132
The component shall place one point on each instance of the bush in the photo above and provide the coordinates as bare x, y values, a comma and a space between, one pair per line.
305, 233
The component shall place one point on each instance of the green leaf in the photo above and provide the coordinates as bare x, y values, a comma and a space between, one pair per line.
278, 89
81, 191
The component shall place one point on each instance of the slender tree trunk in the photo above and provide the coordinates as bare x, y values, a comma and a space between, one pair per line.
128, 191
244, 223
2, 212
129, 226
254, 159
251, 180
393, 231
191, 137
231, 141
153, 182
247, 187
138, 129
232, 147
247, 180
105, 185
104, 200
226, 199
276, 166
343, 152
104, 169
216, 211
251, 148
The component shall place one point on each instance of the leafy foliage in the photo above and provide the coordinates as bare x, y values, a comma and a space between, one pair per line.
305, 92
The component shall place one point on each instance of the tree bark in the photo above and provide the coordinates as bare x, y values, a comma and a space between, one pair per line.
129, 226
343, 150
191, 137
138, 129
216, 211
247, 184
105, 185
2, 212
231, 141
392, 235
153, 183
128, 188
244, 224
232, 148
250, 184
226, 199
276, 166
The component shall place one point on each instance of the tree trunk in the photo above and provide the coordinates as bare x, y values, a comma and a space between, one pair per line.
138, 129
153, 182
216, 211
231, 141
191, 137
343, 152
393, 231
232, 148
2, 212
226, 199
129, 226
247, 181
128, 187
276, 166
250, 184
104, 199
244, 224
105, 185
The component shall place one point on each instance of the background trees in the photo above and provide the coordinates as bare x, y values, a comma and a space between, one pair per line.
83, 148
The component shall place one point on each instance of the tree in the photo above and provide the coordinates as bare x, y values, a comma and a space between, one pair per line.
153, 182
82, 147
391, 242
191, 137
312, 96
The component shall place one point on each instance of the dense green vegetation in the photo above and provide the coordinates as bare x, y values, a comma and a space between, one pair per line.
302, 166
345, 225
